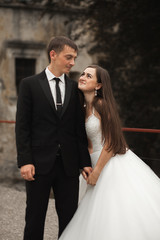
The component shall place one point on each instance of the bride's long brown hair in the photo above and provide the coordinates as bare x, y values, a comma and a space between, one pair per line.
105, 104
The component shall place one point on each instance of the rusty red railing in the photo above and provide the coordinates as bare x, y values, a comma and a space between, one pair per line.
141, 130
6, 121
125, 129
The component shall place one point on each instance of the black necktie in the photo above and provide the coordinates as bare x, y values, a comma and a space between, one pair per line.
58, 96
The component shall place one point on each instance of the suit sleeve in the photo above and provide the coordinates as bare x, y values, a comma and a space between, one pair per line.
23, 125
85, 160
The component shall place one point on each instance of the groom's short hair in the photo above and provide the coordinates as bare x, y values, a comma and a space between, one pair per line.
57, 44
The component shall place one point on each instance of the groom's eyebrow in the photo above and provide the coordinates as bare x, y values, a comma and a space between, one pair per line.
70, 56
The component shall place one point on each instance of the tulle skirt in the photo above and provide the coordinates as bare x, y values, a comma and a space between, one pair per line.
124, 204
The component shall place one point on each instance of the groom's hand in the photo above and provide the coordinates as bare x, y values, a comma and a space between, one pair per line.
28, 172
86, 172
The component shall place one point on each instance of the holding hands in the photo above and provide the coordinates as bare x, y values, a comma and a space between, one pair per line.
86, 172
91, 175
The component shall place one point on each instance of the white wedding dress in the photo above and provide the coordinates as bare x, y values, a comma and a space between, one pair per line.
124, 204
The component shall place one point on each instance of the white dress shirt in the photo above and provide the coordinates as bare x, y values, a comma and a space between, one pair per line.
52, 84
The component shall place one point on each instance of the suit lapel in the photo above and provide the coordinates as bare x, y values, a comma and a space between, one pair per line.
68, 90
46, 88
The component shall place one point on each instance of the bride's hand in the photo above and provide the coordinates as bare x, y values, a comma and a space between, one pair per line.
93, 177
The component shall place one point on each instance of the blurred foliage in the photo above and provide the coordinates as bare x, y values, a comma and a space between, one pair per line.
129, 35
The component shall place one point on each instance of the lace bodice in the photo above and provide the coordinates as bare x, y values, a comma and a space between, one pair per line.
93, 130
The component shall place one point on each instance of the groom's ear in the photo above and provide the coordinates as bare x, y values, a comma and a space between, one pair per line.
53, 54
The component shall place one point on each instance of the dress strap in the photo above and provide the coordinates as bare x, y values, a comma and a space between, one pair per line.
93, 111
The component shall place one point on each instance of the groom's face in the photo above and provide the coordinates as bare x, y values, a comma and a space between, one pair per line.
65, 60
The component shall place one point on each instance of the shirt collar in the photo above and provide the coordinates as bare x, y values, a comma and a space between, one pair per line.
50, 75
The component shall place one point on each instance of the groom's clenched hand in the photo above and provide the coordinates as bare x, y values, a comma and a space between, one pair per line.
28, 172
86, 172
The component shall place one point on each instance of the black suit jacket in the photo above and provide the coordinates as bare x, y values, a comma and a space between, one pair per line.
40, 131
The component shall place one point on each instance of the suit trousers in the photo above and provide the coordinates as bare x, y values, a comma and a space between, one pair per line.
65, 190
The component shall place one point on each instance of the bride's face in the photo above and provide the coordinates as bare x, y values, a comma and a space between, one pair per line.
88, 80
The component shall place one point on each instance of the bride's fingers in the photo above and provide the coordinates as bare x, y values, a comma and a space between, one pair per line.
91, 180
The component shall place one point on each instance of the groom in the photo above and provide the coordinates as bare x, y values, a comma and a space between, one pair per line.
51, 139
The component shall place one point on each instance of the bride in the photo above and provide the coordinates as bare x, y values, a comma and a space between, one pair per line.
122, 197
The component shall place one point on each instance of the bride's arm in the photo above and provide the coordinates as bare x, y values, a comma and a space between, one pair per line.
103, 159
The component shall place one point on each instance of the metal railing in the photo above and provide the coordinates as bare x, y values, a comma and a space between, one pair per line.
125, 129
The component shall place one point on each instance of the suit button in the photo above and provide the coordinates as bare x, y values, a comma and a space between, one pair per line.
59, 150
